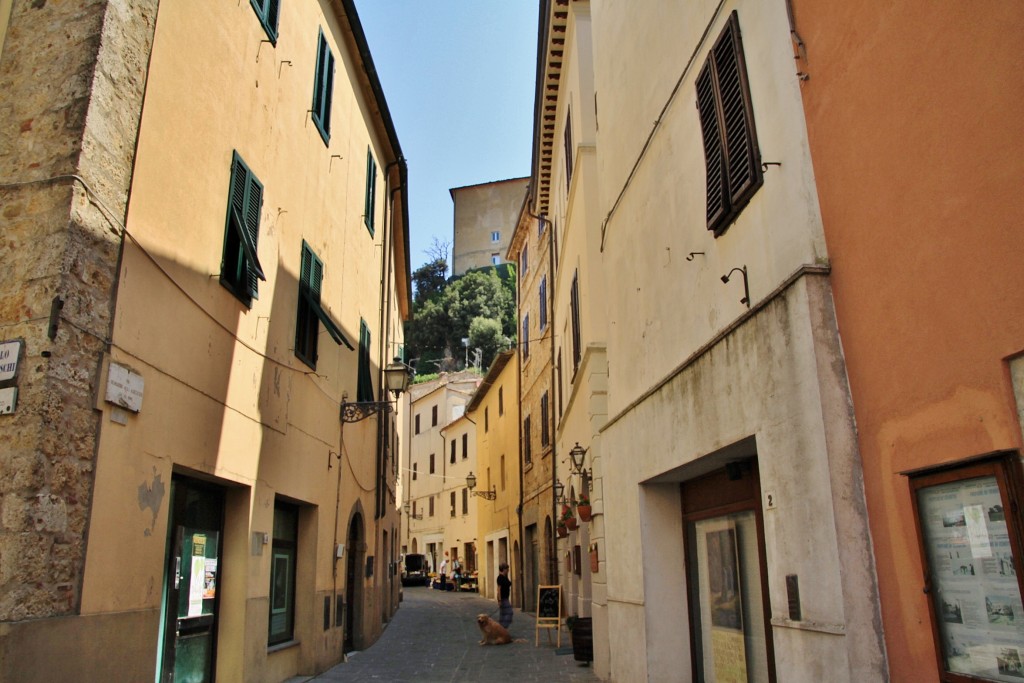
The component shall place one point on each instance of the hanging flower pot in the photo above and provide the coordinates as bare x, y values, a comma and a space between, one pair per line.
571, 524
562, 531
583, 508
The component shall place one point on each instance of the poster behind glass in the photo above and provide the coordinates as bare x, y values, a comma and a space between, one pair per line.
974, 582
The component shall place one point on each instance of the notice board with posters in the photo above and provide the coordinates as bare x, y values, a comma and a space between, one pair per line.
549, 612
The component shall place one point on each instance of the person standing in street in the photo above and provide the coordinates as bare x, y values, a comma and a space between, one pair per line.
505, 612
443, 573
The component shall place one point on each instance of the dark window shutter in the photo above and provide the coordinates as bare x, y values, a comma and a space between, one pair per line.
740, 140
727, 124
364, 389
369, 201
253, 203
717, 197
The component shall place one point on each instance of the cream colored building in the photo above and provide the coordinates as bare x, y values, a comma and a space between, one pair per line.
442, 452
568, 199
731, 530
484, 219
208, 512
495, 410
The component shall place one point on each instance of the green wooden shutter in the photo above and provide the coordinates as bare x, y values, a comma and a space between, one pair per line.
737, 116
364, 390
323, 88
717, 198
253, 204
369, 202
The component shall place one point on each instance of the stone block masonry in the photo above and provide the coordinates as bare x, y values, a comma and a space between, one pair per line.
72, 81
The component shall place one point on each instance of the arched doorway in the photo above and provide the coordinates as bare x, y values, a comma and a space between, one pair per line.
356, 550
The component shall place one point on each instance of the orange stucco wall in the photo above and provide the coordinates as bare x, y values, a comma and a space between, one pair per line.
914, 114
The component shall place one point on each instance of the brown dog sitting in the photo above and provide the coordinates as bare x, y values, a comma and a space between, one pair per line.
494, 633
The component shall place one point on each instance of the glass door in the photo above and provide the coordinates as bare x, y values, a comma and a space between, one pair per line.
191, 582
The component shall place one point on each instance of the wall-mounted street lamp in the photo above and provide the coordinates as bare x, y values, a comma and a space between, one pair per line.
578, 455
471, 484
407, 508
746, 288
559, 490
397, 376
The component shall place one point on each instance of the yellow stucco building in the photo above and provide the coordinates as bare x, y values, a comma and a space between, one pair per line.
494, 409
233, 286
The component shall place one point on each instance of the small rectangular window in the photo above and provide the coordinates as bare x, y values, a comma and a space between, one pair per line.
431, 463
268, 12
503, 473
524, 261
431, 506
240, 269
370, 199
465, 501
495, 259
501, 400
451, 458
282, 573
323, 88
496, 236
465, 446
453, 503
487, 421
415, 471
417, 427
433, 416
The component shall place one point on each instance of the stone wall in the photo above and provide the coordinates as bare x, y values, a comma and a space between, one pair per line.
72, 78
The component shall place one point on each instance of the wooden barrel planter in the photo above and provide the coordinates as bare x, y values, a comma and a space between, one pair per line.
582, 632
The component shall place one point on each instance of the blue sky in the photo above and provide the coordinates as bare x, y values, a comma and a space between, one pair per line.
459, 78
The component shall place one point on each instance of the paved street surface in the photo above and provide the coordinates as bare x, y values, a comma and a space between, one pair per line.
434, 637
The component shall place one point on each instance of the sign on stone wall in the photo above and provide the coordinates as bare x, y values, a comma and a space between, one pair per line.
9, 353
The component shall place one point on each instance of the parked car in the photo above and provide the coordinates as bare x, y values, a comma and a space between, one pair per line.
415, 570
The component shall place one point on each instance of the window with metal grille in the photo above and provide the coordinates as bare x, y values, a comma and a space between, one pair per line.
240, 270
731, 155
323, 88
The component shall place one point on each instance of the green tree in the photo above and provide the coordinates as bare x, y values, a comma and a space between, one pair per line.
485, 334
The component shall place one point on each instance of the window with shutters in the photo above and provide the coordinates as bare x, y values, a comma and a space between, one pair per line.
545, 428
524, 261
731, 155
433, 416
501, 401
574, 321
415, 472
364, 388
323, 88
543, 295
240, 270
417, 431
568, 149
370, 198
309, 313
268, 12
465, 446
527, 450
526, 336
452, 504
465, 501
431, 499
431, 463
451, 457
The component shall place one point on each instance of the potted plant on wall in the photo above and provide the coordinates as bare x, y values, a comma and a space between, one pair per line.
568, 518
561, 529
583, 508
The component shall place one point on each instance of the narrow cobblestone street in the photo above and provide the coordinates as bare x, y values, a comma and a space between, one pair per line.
434, 637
